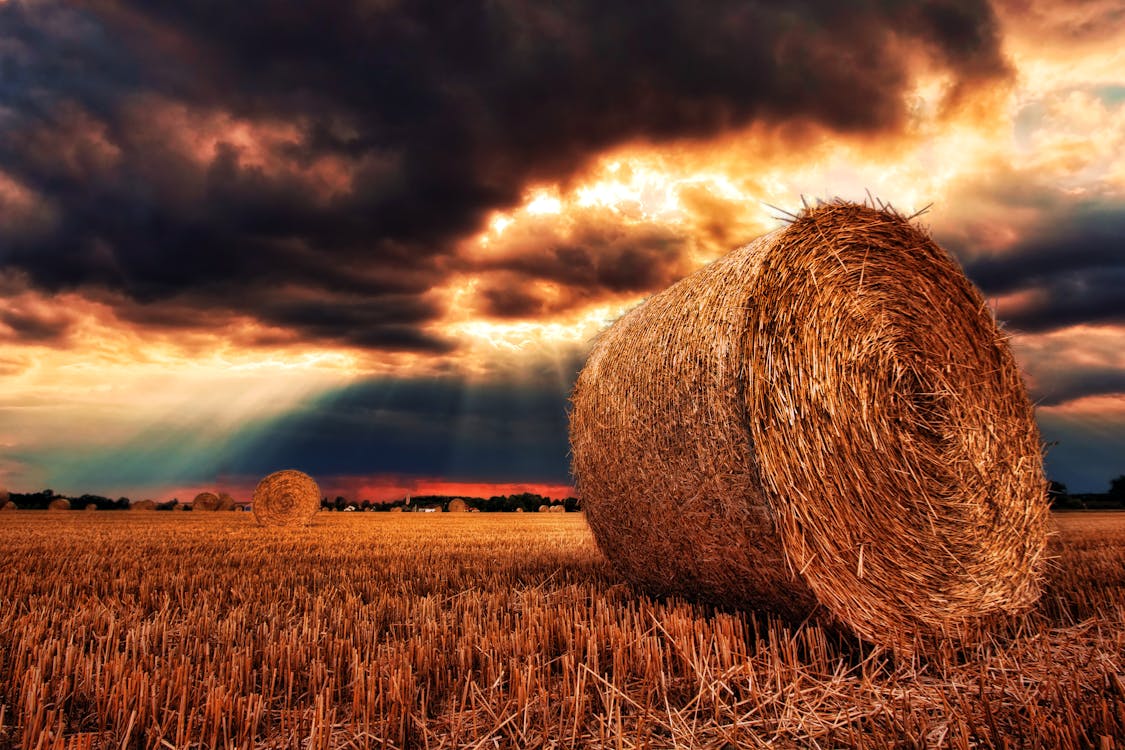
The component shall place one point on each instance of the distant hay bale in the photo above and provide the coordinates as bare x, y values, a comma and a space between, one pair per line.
286, 498
396, 509
9, 505
177, 506
827, 415
544, 508
91, 507
457, 505
226, 502
143, 505
205, 501
519, 509
60, 503
557, 509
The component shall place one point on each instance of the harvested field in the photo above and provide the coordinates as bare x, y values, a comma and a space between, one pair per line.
389, 630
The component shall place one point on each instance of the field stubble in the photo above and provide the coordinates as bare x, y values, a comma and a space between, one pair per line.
394, 630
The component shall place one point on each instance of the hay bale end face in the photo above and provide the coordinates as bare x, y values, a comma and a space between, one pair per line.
59, 504
205, 501
286, 498
827, 415
544, 508
457, 505
226, 502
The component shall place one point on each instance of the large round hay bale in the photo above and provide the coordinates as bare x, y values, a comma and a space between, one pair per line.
60, 503
9, 505
826, 415
143, 505
457, 505
205, 501
226, 502
286, 498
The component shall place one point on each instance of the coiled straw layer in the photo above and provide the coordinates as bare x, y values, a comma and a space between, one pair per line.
205, 501
286, 498
827, 415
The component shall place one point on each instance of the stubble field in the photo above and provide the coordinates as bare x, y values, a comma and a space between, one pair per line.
163, 630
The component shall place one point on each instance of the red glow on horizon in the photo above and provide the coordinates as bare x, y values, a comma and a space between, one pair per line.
378, 488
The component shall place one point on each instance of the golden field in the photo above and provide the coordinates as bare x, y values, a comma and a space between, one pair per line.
161, 630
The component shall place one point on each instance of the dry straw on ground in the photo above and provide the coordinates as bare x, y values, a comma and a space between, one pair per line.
59, 504
827, 415
457, 505
286, 498
205, 501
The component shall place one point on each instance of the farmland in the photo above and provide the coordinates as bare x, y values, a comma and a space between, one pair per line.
510, 630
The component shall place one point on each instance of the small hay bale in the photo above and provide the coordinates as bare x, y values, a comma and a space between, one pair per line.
143, 505
9, 505
226, 502
395, 509
544, 508
178, 506
286, 498
90, 507
557, 509
60, 503
457, 505
519, 509
828, 415
205, 501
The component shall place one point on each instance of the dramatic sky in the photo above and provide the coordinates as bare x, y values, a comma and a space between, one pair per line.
373, 239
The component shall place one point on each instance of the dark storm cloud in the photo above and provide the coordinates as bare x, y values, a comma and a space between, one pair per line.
592, 254
429, 115
1073, 270
33, 326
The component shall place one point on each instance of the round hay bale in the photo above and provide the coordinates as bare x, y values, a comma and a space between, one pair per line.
286, 498
9, 505
519, 509
544, 508
205, 501
60, 503
827, 415
178, 506
143, 505
226, 502
91, 507
557, 509
457, 505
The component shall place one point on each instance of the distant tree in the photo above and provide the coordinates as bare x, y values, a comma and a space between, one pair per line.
1058, 496
1117, 488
